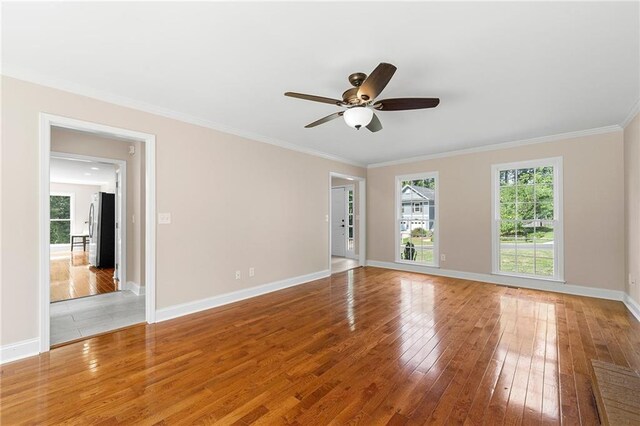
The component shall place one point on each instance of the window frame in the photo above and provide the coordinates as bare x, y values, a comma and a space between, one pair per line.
558, 219
72, 206
436, 219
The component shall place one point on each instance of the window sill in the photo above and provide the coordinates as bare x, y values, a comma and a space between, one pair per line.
530, 277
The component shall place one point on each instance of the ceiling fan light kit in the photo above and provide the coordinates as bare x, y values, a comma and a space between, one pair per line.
358, 116
360, 100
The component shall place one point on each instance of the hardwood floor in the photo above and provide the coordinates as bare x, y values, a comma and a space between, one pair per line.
72, 277
368, 346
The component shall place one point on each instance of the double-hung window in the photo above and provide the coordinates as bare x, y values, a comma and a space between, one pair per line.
527, 219
60, 215
417, 219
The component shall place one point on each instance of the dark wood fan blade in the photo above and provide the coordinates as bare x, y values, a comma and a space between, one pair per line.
375, 124
376, 82
314, 98
402, 104
325, 119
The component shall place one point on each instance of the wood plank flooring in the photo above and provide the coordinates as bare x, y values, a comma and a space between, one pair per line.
368, 346
72, 277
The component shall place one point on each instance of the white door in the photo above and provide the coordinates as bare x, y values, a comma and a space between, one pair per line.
338, 225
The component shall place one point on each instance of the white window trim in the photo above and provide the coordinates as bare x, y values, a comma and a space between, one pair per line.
556, 162
435, 219
72, 218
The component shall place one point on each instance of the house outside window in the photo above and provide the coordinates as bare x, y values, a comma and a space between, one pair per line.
527, 219
416, 219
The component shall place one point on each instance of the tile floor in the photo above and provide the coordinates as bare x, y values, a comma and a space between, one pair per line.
341, 264
73, 319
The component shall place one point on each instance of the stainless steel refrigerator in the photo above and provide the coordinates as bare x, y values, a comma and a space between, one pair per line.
102, 230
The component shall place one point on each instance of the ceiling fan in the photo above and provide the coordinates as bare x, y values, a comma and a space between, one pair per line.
360, 100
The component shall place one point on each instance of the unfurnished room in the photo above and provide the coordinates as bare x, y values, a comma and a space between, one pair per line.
319, 212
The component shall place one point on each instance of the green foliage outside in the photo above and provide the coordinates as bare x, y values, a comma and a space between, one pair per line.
426, 183
421, 232
60, 230
526, 203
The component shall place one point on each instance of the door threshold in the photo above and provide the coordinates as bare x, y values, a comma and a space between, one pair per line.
80, 339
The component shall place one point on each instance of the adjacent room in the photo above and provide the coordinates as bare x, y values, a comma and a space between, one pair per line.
94, 197
315, 213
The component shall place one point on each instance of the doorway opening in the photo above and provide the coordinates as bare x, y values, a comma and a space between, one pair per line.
87, 226
97, 221
346, 222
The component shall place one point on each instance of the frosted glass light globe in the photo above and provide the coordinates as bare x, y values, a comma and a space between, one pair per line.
357, 117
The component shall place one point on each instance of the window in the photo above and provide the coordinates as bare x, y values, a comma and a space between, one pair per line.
416, 219
60, 208
527, 229
350, 221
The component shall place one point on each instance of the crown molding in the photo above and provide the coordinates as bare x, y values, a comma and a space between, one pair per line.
635, 109
67, 86
502, 145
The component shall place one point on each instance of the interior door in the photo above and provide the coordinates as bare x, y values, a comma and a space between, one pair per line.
338, 224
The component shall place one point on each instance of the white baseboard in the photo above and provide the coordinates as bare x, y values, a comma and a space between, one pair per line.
632, 305
506, 280
19, 350
136, 289
235, 296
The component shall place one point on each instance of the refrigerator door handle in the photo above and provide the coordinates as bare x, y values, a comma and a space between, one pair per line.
91, 213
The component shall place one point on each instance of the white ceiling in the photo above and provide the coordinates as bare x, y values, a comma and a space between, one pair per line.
64, 170
503, 71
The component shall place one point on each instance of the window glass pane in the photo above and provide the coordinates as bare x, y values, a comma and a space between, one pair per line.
525, 265
60, 232
508, 194
507, 263
544, 211
544, 175
525, 176
508, 211
507, 177
350, 220
525, 211
544, 242
544, 194
544, 266
350, 232
60, 207
525, 193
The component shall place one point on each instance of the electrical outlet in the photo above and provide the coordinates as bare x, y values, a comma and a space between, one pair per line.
443, 257
237, 275
326, 218
164, 218
252, 271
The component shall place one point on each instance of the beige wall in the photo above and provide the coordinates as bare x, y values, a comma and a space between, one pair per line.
202, 179
82, 200
335, 181
74, 142
593, 207
632, 205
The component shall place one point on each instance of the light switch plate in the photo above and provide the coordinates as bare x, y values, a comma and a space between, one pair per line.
164, 218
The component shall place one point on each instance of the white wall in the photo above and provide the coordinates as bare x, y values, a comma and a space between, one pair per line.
593, 207
199, 171
82, 200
